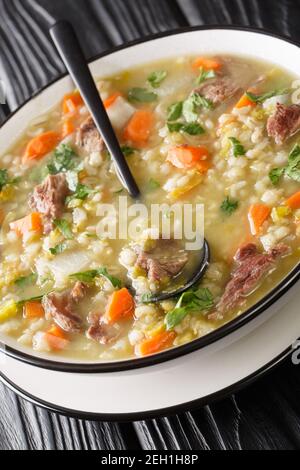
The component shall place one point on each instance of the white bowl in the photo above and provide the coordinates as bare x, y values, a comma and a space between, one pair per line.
203, 40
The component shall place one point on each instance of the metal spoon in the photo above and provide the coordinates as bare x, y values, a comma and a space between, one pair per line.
72, 55
197, 276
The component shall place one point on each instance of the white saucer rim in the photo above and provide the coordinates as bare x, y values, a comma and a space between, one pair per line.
151, 414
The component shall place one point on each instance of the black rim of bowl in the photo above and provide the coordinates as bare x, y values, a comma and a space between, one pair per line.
231, 326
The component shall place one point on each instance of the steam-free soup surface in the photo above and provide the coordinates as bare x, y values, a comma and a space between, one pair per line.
221, 131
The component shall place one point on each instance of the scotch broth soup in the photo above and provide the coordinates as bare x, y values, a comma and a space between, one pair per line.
221, 131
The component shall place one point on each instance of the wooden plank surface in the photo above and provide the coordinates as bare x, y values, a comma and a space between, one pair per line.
266, 415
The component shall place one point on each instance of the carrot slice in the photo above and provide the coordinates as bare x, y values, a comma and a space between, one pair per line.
257, 215
30, 223
244, 101
206, 64
111, 99
67, 128
186, 156
155, 344
120, 306
56, 331
139, 128
39, 146
71, 102
33, 309
293, 202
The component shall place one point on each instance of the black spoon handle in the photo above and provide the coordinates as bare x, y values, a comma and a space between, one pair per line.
71, 52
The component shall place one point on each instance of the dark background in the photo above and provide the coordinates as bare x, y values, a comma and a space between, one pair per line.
266, 415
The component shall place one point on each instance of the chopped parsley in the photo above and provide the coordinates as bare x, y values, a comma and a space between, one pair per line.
156, 78
58, 249
175, 111
192, 104
152, 184
89, 276
128, 151
64, 227
228, 206
141, 95
259, 99
292, 169
65, 159
81, 192
204, 75
237, 148
5, 179
193, 128
199, 300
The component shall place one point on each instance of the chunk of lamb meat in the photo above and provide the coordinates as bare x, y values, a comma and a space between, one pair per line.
99, 331
218, 89
59, 307
284, 123
89, 138
158, 265
49, 198
251, 267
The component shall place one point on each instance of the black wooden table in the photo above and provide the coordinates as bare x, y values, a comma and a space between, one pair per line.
266, 415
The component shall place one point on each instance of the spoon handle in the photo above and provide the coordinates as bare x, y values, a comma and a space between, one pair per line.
71, 52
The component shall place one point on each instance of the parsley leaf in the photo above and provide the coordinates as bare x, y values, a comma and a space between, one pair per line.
5, 179
175, 126
58, 249
276, 174
228, 206
190, 301
152, 185
175, 111
64, 160
191, 105
128, 151
141, 95
82, 192
193, 128
156, 78
25, 281
259, 99
237, 147
205, 75
292, 169
64, 228
89, 276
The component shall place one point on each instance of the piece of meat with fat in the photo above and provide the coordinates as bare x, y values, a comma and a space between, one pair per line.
284, 123
218, 89
88, 137
59, 307
100, 331
158, 265
49, 197
251, 267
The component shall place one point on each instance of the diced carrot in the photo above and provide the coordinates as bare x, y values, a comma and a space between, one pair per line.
120, 306
293, 202
67, 128
244, 101
57, 331
33, 309
139, 128
206, 64
71, 102
186, 156
39, 146
111, 99
257, 215
155, 344
30, 223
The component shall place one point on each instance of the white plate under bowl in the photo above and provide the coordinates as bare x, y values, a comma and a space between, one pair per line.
207, 40
173, 386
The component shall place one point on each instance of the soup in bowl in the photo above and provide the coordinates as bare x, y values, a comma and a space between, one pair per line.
216, 130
